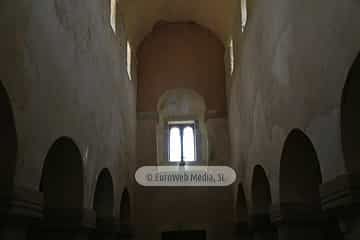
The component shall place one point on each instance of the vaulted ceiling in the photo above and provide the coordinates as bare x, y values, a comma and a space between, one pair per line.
141, 15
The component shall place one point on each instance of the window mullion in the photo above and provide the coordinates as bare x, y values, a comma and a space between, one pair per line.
182, 142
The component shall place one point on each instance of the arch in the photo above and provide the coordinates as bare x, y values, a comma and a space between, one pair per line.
181, 101
104, 195
241, 205
8, 141
350, 118
125, 208
300, 174
262, 200
260, 191
62, 178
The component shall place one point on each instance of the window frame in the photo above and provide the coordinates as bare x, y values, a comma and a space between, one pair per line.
182, 125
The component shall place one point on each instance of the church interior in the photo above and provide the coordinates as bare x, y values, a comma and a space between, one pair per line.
92, 91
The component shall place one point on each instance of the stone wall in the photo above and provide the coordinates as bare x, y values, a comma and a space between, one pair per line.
292, 62
64, 70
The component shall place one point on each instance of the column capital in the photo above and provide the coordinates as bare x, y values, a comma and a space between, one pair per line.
21, 205
341, 194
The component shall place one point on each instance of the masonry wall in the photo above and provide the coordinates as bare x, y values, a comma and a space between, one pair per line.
64, 71
182, 55
292, 62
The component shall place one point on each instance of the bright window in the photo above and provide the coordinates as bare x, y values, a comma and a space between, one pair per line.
182, 141
231, 49
243, 14
113, 15
128, 54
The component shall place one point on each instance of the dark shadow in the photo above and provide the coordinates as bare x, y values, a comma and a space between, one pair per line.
261, 198
350, 118
8, 142
300, 178
62, 180
104, 195
241, 206
104, 206
300, 174
125, 208
181, 235
260, 189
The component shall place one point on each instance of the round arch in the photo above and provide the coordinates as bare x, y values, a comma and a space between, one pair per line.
260, 191
62, 178
262, 201
300, 174
350, 118
125, 208
241, 206
104, 195
8, 141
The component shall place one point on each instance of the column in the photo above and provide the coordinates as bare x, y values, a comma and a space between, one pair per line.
125, 232
262, 227
296, 221
106, 229
69, 224
19, 209
243, 231
341, 199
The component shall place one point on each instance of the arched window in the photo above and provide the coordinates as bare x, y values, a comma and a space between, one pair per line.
182, 141
113, 15
128, 60
232, 57
181, 130
244, 14
175, 144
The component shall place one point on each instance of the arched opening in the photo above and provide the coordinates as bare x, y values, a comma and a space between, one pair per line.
125, 208
350, 118
244, 14
104, 196
62, 179
8, 142
260, 189
300, 177
300, 174
261, 198
241, 206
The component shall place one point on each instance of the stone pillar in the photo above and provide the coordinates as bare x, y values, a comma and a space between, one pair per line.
243, 231
106, 229
262, 228
298, 221
69, 224
341, 199
19, 209
125, 232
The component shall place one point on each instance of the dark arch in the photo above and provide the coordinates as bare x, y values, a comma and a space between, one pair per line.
104, 195
8, 142
62, 177
300, 174
350, 118
125, 208
260, 190
261, 197
241, 206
